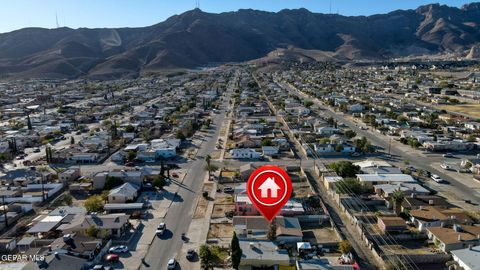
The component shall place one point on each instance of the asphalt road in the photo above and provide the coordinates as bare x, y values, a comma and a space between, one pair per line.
179, 215
462, 190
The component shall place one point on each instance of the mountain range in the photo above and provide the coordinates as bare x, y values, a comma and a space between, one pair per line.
196, 38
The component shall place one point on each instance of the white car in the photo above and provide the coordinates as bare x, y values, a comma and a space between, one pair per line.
118, 249
448, 155
161, 229
445, 166
172, 264
436, 178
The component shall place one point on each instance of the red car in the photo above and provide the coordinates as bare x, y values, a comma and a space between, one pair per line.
174, 175
112, 258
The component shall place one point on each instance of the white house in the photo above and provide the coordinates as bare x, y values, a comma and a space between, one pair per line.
270, 150
247, 153
123, 193
326, 131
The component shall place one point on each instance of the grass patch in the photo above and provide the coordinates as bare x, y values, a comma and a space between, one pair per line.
219, 255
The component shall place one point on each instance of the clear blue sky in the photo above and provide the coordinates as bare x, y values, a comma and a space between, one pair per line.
16, 14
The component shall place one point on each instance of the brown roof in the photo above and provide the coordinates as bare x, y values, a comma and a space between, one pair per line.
428, 213
423, 200
392, 221
450, 236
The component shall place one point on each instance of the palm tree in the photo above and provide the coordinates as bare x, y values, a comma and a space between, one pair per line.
397, 198
208, 159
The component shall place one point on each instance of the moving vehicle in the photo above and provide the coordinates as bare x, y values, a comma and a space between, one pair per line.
445, 166
161, 229
172, 264
118, 249
447, 155
174, 174
130, 164
436, 178
112, 258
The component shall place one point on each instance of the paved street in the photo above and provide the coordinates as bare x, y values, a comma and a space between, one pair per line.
179, 216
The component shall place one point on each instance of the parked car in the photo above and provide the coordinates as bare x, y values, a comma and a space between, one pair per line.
190, 254
130, 164
436, 178
448, 155
118, 249
172, 264
161, 229
36, 150
411, 168
228, 190
112, 258
356, 154
174, 174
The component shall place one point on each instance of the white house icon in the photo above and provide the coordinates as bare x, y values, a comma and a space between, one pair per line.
267, 185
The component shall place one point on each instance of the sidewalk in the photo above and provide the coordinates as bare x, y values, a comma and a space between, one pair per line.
197, 232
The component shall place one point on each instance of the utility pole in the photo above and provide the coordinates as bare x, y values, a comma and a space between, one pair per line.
389, 147
4, 211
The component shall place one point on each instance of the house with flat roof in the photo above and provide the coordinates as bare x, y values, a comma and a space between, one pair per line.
377, 167
467, 258
257, 227
263, 254
370, 180
244, 207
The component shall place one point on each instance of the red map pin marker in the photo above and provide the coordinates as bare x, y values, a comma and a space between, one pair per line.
269, 188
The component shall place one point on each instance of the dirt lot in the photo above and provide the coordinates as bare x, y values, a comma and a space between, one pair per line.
320, 235
302, 190
469, 109
220, 230
202, 203
219, 210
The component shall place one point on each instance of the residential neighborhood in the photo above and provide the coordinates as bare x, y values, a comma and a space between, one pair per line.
151, 173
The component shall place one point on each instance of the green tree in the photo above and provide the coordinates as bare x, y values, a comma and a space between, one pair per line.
345, 168
180, 135
205, 256
272, 231
129, 129
112, 182
266, 142
345, 247
397, 198
131, 155
94, 203
349, 185
29, 122
350, 134
91, 231
159, 181
236, 251
68, 199
308, 103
